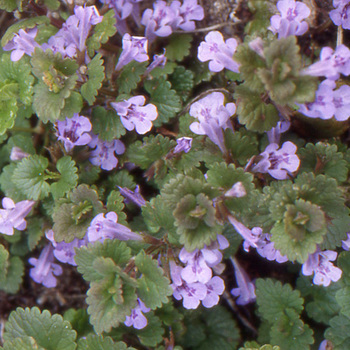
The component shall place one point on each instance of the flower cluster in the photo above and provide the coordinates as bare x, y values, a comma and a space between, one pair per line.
195, 283
164, 19
290, 21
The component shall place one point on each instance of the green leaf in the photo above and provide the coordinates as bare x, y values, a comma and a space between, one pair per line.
291, 333
116, 250
49, 332
182, 81
320, 303
11, 5
261, 19
210, 329
98, 342
223, 176
106, 124
7, 185
24, 343
130, 76
68, 179
178, 47
343, 262
253, 111
102, 32
79, 319
255, 346
167, 101
115, 202
57, 78
339, 332
95, 72
242, 145
4, 263
29, 177
153, 287
323, 158
110, 300
273, 299
152, 334
72, 216
15, 272
150, 150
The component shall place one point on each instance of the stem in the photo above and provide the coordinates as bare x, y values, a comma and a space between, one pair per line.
340, 36
207, 29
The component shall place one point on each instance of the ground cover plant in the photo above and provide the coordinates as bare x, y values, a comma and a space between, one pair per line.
174, 175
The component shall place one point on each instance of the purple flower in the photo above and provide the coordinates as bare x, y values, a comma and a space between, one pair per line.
325, 345
158, 61
274, 134
331, 64
320, 264
191, 293
323, 106
102, 228
184, 144
137, 319
267, 249
196, 269
65, 252
104, 153
213, 117
134, 115
13, 214
158, 22
278, 162
123, 9
189, 12
341, 15
134, 48
74, 131
246, 289
215, 287
44, 268
22, 43
290, 21
18, 154
71, 38
251, 237
329, 102
132, 196
218, 52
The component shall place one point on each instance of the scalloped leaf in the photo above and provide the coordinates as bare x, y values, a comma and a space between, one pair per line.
182, 81
178, 47
273, 299
4, 263
30, 178
253, 112
11, 5
106, 124
323, 158
339, 332
130, 76
57, 78
291, 333
167, 101
150, 150
14, 276
95, 72
210, 329
98, 342
68, 179
153, 287
102, 32
72, 216
115, 202
24, 343
116, 250
49, 332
